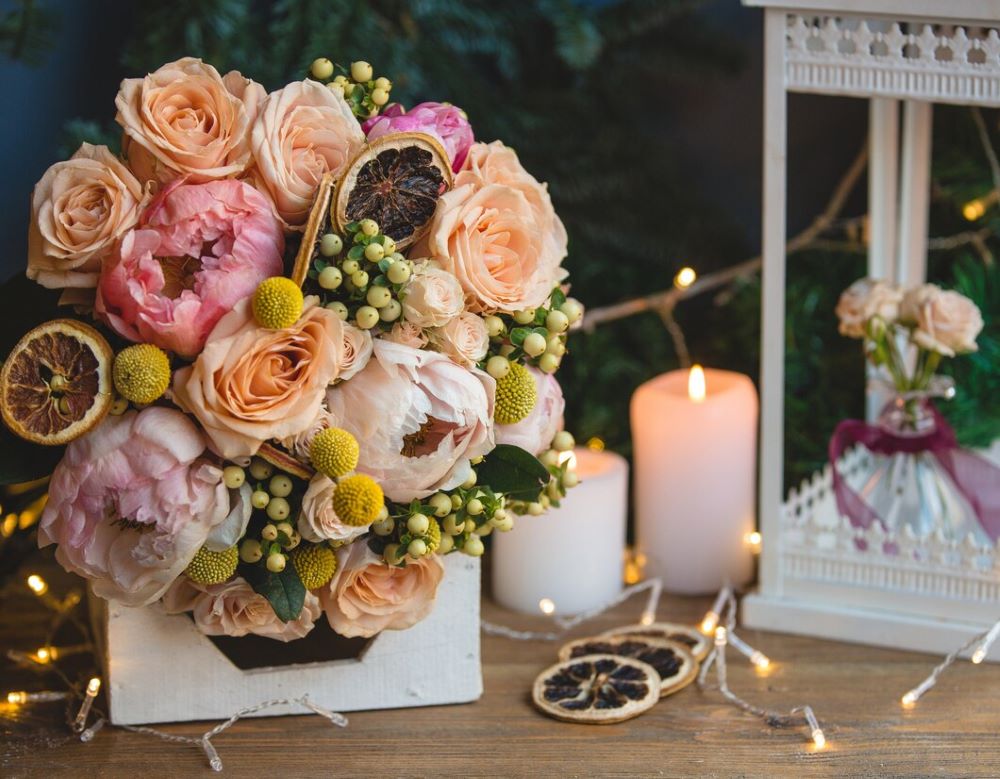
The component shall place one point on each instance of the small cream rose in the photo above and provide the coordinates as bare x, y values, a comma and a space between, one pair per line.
407, 334
187, 120
318, 521
367, 596
357, 351
863, 300
945, 321
302, 132
432, 297
464, 339
79, 209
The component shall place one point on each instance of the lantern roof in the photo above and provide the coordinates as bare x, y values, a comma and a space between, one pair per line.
954, 11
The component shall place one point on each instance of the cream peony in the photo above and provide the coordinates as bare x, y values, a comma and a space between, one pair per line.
418, 417
318, 521
535, 432
432, 297
187, 120
464, 339
863, 300
234, 609
132, 502
251, 384
302, 131
79, 209
945, 321
367, 596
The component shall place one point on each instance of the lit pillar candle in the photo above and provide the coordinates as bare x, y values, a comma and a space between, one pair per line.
570, 558
694, 435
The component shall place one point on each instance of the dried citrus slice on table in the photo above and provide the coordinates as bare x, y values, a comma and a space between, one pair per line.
673, 662
597, 689
395, 180
56, 383
688, 635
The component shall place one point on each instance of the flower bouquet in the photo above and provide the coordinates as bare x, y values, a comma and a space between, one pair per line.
920, 480
308, 351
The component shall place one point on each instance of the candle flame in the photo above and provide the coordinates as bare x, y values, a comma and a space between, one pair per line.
696, 383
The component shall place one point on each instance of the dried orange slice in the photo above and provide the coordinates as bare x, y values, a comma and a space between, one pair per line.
395, 180
56, 383
597, 689
689, 636
673, 662
317, 224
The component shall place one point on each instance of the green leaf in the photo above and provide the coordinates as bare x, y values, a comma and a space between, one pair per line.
284, 591
557, 299
512, 470
356, 253
518, 334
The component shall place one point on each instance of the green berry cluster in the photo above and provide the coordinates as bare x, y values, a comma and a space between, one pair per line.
458, 519
361, 278
275, 498
534, 336
562, 470
364, 94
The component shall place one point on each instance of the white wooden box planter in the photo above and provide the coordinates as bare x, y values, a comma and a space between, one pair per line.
160, 668
903, 56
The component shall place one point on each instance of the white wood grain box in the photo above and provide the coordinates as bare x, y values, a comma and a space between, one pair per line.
160, 668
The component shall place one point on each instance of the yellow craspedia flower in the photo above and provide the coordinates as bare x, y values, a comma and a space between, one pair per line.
433, 535
516, 395
277, 303
334, 452
358, 500
141, 373
315, 564
213, 567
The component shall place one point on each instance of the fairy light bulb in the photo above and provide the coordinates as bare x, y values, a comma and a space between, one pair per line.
16, 698
910, 698
979, 655
760, 660
685, 277
45, 655
711, 619
647, 618
547, 606
753, 541
93, 687
720, 636
37, 585
819, 739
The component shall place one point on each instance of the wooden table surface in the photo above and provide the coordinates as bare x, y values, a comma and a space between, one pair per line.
854, 690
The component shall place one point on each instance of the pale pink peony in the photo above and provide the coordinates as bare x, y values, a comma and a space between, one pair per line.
234, 609
418, 417
132, 502
445, 122
367, 596
864, 300
201, 249
302, 132
79, 209
464, 339
947, 322
432, 297
318, 521
185, 120
251, 384
535, 432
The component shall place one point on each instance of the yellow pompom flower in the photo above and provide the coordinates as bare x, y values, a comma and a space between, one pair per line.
277, 303
516, 395
141, 373
433, 535
315, 564
358, 500
213, 567
334, 452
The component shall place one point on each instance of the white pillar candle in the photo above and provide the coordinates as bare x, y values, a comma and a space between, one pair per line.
570, 558
694, 436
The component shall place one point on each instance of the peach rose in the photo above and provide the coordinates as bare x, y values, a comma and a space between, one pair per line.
303, 131
947, 322
432, 297
318, 521
490, 238
251, 384
367, 596
187, 120
233, 608
407, 334
79, 208
464, 339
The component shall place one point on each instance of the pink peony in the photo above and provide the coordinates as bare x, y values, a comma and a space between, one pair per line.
202, 249
535, 432
418, 417
445, 122
132, 502
234, 609
368, 596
